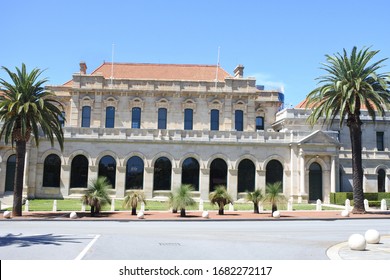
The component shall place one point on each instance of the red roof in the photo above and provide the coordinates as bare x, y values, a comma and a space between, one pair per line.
303, 104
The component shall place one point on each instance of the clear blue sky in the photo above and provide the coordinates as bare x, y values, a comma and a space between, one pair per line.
281, 43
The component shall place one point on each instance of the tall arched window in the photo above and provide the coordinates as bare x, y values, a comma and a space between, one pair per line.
218, 173
315, 182
110, 117
246, 176
10, 175
381, 180
79, 172
52, 171
135, 173
190, 173
136, 117
239, 120
107, 168
86, 116
188, 119
274, 172
162, 174
162, 118
214, 119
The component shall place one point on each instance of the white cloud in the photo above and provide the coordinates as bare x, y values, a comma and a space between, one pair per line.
268, 82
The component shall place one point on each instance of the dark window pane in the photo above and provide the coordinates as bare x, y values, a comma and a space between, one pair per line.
188, 119
135, 173
86, 117
136, 118
10, 175
79, 172
214, 120
162, 118
274, 172
239, 120
379, 141
259, 123
246, 176
381, 180
107, 168
190, 173
110, 117
218, 173
51, 171
61, 119
162, 174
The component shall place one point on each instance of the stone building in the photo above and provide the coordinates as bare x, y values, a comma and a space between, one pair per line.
156, 126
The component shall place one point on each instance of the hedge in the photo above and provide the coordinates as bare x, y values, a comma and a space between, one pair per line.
373, 198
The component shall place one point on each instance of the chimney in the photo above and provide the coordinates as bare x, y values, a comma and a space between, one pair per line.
83, 68
239, 71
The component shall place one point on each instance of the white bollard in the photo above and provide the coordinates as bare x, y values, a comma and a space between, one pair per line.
7, 214
372, 236
205, 214
318, 205
55, 205
357, 242
261, 207
290, 204
73, 215
348, 205
201, 207
231, 207
83, 207
141, 215
113, 204
383, 205
366, 206
142, 207
27, 206
276, 214
345, 213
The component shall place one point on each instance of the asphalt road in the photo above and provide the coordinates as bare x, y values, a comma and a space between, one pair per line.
204, 240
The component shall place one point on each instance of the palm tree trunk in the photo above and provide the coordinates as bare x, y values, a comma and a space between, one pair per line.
357, 169
256, 208
220, 211
182, 212
133, 211
19, 176
274, 208
92, 211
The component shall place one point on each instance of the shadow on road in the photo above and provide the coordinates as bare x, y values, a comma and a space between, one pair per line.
43, 239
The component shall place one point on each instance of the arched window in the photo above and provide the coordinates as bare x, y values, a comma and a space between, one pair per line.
135, 173
136, 117
162, 118
239, 120
381, 180
246, 176
259, 123
188, 119
162, 174
52, 171
107, 168
274, 172
110, 117
79, 172
86, 116
10, 175
190, 173
218, 173
214, 119
315, 182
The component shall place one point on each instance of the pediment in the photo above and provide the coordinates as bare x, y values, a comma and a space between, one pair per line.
319, 137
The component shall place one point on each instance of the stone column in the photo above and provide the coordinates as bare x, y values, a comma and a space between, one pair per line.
333, 175
387, 182
232, 187
120, 181
65, 179
148, 182
176, 178
302, 187
260, 180
204, 183
326, 180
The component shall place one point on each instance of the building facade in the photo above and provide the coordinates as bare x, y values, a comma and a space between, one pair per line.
157, 126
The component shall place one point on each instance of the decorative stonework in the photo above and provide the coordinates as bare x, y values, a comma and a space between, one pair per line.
162, 103
189, 104
87, 101
111, 102
136, 102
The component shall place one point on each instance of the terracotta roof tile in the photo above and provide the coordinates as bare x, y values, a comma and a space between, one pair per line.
182, 72
303, 104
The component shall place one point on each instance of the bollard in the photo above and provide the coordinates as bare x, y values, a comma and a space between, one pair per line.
383, 205
201, 205
83, 207
290, 204
113, 204
55, 205
142, 207
231, 207
318, 205
26, 205
261, 207
366, 206
348, 205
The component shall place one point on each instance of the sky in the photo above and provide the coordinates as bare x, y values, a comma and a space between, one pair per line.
280, 43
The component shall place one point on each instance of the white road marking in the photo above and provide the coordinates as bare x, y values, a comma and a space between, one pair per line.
82, 254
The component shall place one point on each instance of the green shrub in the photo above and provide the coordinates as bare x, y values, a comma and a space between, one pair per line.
371, 196
374, 203
340, 197
383, 195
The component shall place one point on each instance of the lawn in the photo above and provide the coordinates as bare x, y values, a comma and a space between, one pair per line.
75, 205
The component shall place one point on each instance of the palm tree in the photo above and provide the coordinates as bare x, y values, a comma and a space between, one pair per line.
221, 197
97, 195
27, 107
273, 195
182, 198
132, 200
256, 197
350, 84
171, 202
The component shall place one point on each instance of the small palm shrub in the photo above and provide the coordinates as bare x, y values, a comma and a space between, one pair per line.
97, 194
273, 195
182, 198
132, 200
220, 197
256, 197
